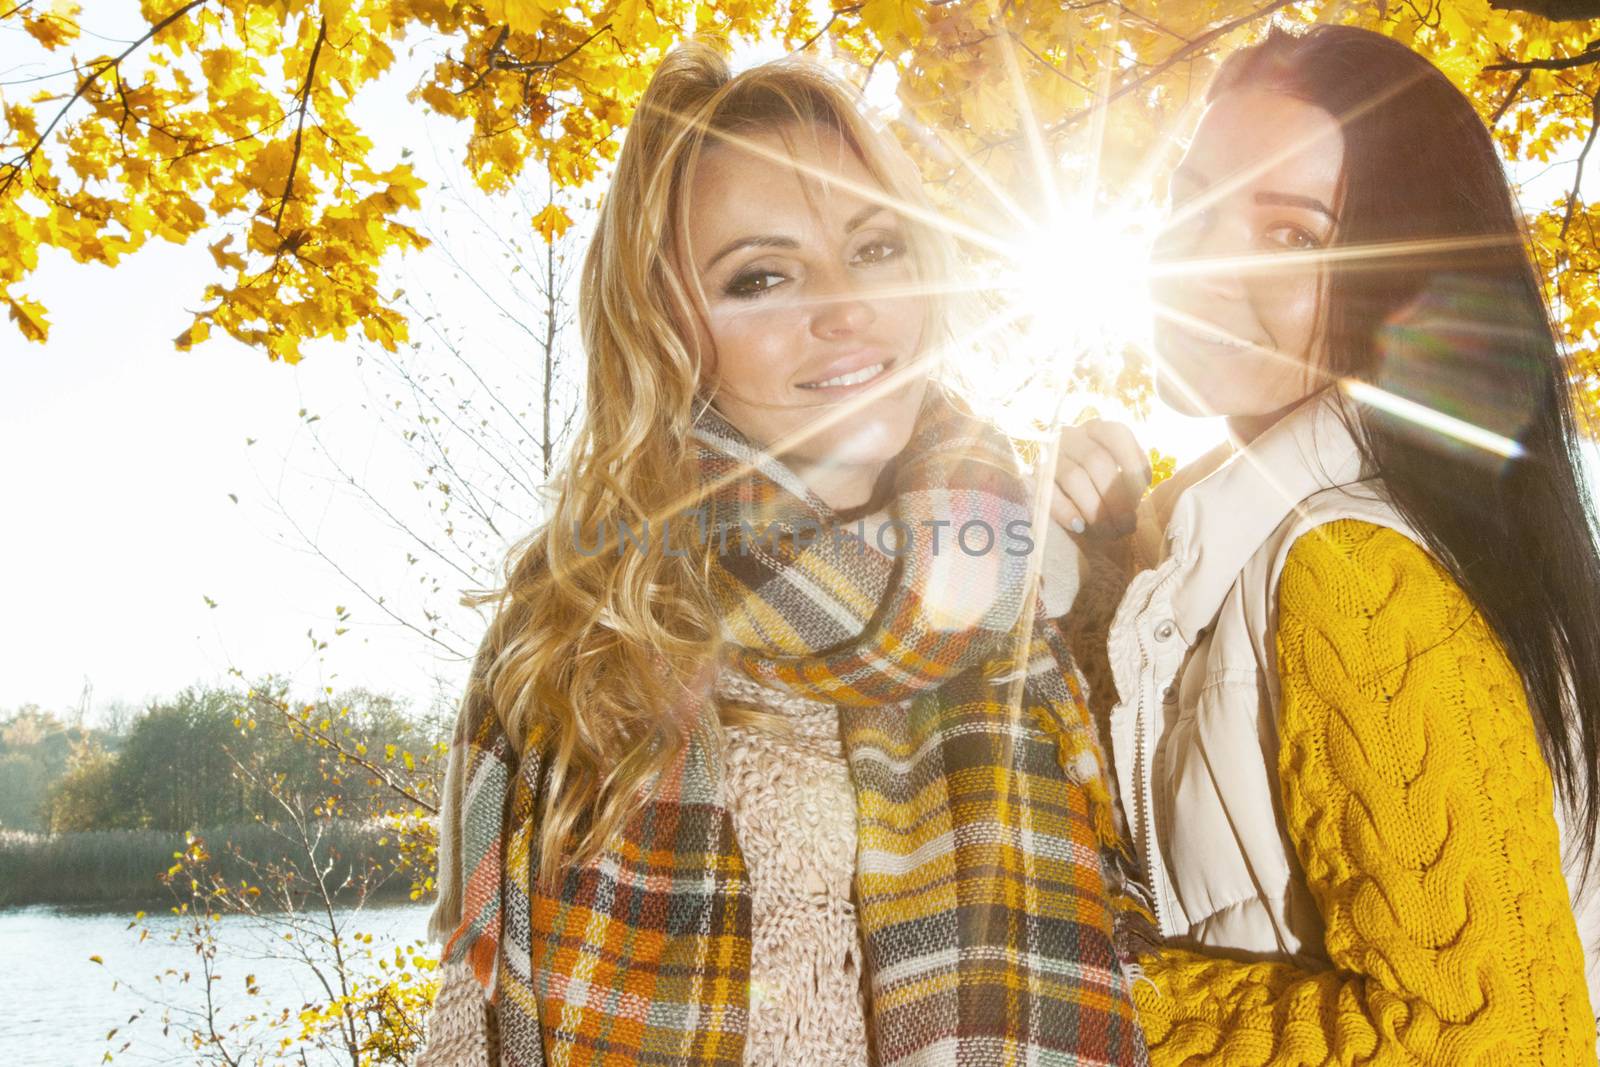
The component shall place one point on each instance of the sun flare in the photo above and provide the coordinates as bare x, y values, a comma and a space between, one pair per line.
1079, 288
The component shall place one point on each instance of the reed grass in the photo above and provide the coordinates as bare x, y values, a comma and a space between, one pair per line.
124, 866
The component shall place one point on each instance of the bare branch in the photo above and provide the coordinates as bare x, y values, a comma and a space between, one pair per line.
1583, 157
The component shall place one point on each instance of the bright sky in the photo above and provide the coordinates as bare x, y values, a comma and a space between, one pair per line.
120, 455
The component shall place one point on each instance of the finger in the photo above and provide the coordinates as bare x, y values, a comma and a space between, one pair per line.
1109, 499
1080, 489
1118, 439
1067, 516
1079, 450
1133, 474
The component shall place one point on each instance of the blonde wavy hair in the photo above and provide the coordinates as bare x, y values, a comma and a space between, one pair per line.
592, 652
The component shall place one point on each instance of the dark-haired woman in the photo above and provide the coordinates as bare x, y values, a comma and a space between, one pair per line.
1360, 681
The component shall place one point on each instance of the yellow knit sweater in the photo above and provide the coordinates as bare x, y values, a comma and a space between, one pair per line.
1421, 810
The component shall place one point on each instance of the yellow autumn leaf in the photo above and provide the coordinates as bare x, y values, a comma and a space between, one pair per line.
225, 259
29, 317
891, 20
53, 26
552, 221
197, 331
522, 16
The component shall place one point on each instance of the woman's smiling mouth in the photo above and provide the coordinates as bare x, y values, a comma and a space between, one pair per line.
851, 379
1205, 334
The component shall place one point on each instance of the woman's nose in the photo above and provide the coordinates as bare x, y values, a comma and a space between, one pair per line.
842, 307
1206, 256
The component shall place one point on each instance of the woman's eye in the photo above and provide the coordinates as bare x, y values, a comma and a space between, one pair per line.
1295, 238
754, 282
878, 251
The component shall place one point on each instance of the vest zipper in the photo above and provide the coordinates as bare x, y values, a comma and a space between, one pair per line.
1145, 800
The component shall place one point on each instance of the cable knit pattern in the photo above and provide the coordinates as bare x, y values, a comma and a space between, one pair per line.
1421, 809
794, 812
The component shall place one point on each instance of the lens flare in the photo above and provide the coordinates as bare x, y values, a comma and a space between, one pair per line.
1062, 276
1430, 419
1083, 281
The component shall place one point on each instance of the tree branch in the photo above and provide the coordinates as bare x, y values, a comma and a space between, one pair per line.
501, 63
1592, 55
1554, 10
16, 167
300, 123
1583, 157
498, 60
1188, 51
494, 50
1505, 105
1046, 64
832, 18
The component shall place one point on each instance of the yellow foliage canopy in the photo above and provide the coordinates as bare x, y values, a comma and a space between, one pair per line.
234, 117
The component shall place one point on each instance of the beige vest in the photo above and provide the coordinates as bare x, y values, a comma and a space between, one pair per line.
1195, 730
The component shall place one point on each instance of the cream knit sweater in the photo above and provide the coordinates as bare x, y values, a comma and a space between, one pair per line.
794, 815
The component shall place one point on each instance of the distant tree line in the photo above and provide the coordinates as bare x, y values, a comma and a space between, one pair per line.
208, 756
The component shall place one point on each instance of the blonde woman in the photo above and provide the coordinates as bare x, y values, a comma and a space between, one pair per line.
769, 755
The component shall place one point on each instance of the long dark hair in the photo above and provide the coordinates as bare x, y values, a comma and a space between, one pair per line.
1451, 316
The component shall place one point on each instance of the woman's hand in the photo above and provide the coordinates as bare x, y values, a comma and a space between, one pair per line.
1101, 475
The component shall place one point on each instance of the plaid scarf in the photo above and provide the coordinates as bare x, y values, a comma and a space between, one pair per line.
986, 842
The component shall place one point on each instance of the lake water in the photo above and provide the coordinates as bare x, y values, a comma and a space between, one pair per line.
57, 1005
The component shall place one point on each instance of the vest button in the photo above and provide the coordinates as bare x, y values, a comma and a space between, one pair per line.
1165, 630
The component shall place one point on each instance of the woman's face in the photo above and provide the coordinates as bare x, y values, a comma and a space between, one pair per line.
806, 285
1237, 299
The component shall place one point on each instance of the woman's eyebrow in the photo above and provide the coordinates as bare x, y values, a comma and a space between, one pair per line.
766, 240
753, 241
1310, 203
861, 217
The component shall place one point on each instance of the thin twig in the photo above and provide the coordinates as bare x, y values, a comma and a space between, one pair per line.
499, 63
1188, 51
815, 37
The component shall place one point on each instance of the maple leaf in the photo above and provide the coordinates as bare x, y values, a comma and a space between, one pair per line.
29, 317
552, 221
